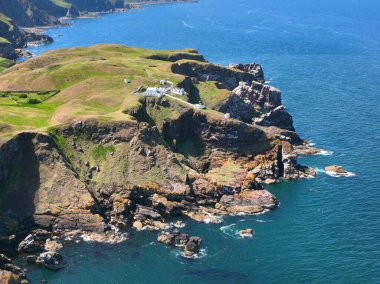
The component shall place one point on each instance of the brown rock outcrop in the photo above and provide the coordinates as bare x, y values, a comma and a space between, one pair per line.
247, 202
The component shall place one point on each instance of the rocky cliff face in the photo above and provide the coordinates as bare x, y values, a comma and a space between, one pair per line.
91, 175
227, 78
97, 5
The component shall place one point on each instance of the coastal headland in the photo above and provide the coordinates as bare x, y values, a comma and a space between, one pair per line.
83, 154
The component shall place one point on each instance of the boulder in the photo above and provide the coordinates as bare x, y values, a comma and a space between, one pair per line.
336, 169
181, 240
137, 225
248, 202
166, 238
28, 244
51, 245
247, 233
193, 246
143, 212
52, 260
162, 204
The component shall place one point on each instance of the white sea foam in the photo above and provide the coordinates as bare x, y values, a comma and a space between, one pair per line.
202, 253
325, 153
186, 25
334, 174
231, 231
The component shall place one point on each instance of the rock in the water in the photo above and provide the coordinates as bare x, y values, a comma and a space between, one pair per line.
270, 181
28, 244
204, 215
52, 260
181, 240
337, 171
179, 224
51, 245
247, 233
137, 225
166, 238
193, 246
248, 202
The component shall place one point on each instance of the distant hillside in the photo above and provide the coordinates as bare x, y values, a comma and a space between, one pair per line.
32, 13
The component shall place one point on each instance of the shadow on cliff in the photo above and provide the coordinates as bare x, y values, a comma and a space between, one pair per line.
22, 179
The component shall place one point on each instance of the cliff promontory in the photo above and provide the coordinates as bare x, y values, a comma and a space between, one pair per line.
86, 156
86, 145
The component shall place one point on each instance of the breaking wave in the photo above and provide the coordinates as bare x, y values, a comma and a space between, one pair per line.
186, 25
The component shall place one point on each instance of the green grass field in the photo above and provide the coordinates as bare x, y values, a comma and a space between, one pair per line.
5, 63
61, 3
28, 98
90, 81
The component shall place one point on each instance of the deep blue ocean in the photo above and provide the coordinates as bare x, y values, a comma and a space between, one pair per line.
325, 57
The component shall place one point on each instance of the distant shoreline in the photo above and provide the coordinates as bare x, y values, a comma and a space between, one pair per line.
93, 15
64, 22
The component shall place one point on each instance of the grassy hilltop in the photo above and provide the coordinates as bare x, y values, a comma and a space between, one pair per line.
91, 84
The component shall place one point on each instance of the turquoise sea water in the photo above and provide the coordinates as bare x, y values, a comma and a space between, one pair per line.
325, 57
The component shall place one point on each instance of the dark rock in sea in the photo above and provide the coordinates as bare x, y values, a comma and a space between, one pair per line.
166, 238
181, 240
193, 246
246, 233
52, 260
247, 202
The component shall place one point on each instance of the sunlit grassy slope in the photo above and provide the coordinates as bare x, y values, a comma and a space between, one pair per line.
91, 84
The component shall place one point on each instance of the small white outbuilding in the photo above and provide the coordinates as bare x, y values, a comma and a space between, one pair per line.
178, 91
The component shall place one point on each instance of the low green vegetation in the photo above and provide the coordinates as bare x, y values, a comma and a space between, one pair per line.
99, 152
7, 21
61, 141
4, 40
28, 97
226, 173
61, 3
5, 63
211, 95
